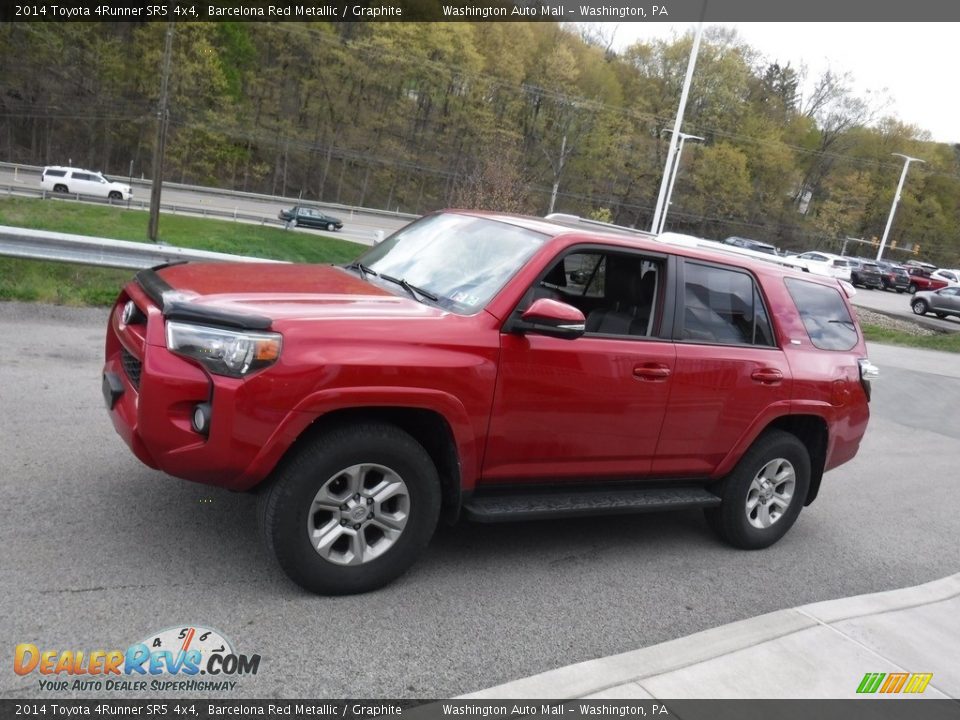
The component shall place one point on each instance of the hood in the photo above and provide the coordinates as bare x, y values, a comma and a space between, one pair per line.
280, 291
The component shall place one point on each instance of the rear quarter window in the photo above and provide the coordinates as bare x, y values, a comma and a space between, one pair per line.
55, 173
824, 314
723, 306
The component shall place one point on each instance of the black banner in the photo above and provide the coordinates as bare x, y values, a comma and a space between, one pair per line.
480, 10
163, 709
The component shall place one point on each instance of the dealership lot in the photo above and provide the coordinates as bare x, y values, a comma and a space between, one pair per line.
100, 552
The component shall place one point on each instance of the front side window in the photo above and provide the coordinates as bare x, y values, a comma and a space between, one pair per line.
723, 306
824, 315
461, 260
617, 292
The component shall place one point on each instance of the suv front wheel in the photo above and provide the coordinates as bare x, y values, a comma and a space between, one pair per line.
764, 494
352, 509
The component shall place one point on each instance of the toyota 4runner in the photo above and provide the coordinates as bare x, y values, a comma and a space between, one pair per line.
491, 367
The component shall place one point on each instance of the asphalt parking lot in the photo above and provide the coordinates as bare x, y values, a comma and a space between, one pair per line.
100, 551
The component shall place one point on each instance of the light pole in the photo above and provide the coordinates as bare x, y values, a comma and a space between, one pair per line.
673, 176
896, 199
664, 181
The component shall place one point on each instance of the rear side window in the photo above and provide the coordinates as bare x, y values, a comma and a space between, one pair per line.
723, 306
55, 173
824, 315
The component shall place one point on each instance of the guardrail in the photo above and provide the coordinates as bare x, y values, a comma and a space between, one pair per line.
64, 247
367, 237
35, 170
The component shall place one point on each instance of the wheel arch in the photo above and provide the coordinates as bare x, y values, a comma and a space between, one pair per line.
812, 431
428, 427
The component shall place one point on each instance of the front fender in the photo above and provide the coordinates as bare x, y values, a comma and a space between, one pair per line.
326, 401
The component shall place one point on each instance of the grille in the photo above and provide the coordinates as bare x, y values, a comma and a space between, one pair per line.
131, 366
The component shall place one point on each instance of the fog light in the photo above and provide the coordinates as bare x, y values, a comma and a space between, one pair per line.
201, 418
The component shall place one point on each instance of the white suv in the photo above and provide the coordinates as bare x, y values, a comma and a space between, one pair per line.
822, 263
83, 182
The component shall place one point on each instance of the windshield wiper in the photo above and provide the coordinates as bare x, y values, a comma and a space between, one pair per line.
412, 289
364, 270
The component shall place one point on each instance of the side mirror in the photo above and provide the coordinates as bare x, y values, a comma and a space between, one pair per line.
552, 318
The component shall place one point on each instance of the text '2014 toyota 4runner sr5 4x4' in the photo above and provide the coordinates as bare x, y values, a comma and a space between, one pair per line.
494, 367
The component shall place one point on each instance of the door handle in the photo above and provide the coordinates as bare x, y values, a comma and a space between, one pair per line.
651, 371
767, 376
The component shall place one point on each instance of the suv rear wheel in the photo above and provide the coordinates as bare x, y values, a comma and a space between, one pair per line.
351, 510
60, 187
764, 494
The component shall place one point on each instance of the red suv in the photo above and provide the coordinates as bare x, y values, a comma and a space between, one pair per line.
494, 367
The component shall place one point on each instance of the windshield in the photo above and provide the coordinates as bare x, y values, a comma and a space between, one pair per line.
462, 260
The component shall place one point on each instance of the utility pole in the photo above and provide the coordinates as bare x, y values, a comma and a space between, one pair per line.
896, 199
163, 116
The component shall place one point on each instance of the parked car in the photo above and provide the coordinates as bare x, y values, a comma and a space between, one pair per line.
950, 277
893, 276
300, 216
757, 245
824, 264
55, 178
921, 279
492, 367
942, 302
865, 272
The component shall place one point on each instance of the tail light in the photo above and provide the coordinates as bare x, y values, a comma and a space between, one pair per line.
868, 373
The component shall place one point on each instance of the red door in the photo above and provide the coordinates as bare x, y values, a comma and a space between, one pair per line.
717, 393
581, 408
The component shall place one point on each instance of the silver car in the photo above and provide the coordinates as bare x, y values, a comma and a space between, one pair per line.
942, 302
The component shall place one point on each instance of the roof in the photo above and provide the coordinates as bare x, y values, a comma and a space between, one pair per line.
558, 224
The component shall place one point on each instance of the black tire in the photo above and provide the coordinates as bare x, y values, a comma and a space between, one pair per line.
941, 315
912, 289
60, 188
286, 507
730, 520
919, 307
899, 291
115, 195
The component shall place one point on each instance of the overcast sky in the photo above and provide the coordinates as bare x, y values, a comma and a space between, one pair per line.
917, 63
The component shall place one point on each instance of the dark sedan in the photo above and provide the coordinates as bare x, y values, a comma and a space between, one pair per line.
865, 273
300, 216
894, 276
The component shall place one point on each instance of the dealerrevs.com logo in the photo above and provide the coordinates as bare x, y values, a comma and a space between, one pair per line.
187, 659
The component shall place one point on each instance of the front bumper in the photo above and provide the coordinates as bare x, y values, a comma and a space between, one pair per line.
151, 394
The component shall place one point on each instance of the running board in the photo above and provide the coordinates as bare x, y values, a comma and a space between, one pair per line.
607, 501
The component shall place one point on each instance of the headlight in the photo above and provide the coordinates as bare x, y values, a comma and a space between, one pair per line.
224, 352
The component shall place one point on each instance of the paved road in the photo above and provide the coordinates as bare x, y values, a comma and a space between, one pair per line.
358, 226
99, 551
